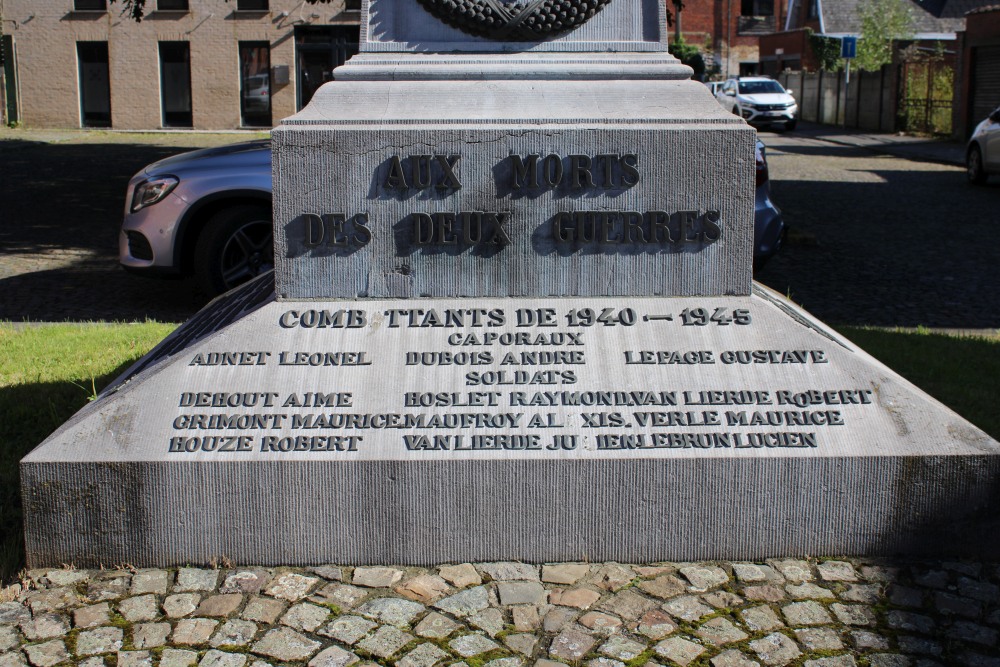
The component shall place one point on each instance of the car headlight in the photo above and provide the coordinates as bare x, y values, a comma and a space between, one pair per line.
151, 191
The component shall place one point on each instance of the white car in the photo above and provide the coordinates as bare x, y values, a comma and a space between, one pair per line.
982, 156
759, 101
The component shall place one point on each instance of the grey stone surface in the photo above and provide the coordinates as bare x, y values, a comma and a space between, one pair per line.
44, 626
564, 573
334, 656
305, 616
216, 658
263, 610
234, 632
461, 576
350, 629
99, 640
145, 659
150, 581
181, 604
523, 643
834, 570
752, 573
376, 577
775, 649
13, 659
571, 645
832, 661
679, 650
733, 659
687, 608
245, 581
425, 655
139, 609
8, 638
622, 648
492, 621
193, 631
521, 592
13, 612
150, 635
720, 631
628, 604
809, 591
853, 614
344, 596
704, 578
578, 598
173, 657
385, 641
510, 571
761, 619
291, 586
436, 626
465, 603
391, 610
471, 645
195, 579
822, 639
656, 624
664, 587
603, 623
286, 645
424, 588
46, 654
806, 613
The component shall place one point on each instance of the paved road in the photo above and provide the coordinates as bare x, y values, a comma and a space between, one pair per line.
876, 239
883, 240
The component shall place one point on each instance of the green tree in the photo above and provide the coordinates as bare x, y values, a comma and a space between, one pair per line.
882, 23
690, 55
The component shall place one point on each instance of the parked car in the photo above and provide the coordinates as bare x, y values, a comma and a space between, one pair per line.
769, 228
207, 214
982, 155
713, 86
760, 101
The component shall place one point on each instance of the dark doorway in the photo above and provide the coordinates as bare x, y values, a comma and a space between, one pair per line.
255, 84
175, 84
318, 50
95, 89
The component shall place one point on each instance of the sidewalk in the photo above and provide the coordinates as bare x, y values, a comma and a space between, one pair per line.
913, 148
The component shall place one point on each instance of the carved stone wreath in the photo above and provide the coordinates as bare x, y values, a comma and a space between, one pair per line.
514, 20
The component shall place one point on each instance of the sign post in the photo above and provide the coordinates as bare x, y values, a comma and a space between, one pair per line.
848, 51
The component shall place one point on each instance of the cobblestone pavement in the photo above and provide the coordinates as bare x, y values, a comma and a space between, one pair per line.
816, 613
877, 239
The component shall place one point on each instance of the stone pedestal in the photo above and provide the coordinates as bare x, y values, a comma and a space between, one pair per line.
512, 318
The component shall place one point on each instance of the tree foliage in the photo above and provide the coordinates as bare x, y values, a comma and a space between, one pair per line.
690, 55
827, 52
882, 23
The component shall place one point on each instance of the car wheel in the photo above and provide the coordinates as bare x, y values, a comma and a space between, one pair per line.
974, 166
790, 125
236, 245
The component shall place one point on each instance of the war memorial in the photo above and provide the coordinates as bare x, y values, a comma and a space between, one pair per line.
512, 319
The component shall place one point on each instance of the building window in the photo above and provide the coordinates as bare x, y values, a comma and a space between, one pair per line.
175, 84
255, 84
90, 5
95, 89
318, 51
172, 5
352, 5
813, 12
251, 5
757, 8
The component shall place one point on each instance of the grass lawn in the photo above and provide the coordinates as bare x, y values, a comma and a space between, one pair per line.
48, 372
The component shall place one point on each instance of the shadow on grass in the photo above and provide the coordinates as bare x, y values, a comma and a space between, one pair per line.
30, 413
960, 371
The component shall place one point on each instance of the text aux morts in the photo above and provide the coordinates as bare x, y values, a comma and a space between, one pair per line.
519, 175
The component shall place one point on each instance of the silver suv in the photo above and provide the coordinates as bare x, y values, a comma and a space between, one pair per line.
206, 213
759, 101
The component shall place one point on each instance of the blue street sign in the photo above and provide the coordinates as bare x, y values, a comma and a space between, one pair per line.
848, 47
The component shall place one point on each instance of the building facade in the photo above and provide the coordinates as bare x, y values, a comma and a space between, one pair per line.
728, 30
197, 64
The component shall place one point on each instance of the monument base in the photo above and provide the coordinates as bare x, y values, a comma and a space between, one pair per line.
451, 430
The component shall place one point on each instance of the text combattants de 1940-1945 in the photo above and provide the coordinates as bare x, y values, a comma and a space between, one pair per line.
526, 174
516, 364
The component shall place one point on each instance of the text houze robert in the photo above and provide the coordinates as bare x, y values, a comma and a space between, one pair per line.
610, 172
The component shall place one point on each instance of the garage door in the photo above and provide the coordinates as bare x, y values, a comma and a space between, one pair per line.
986, 82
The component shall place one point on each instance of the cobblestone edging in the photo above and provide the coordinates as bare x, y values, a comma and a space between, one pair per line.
832, 613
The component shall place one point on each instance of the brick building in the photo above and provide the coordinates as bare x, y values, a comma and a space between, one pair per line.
728, 30
202, 64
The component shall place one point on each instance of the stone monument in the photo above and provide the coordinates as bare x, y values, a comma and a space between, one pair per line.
512, 317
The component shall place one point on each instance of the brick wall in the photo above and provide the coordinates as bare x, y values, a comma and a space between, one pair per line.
725, 32
46, 32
